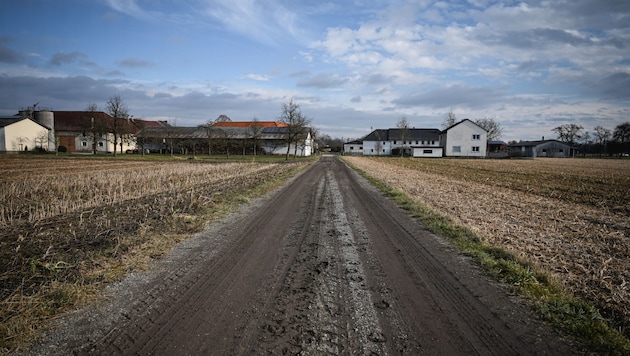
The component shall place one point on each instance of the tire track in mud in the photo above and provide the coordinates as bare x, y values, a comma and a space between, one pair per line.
323, 305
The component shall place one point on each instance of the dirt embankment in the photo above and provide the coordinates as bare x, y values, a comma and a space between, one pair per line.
325, 265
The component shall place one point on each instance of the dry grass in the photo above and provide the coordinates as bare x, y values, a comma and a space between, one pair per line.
70, 226
566, 216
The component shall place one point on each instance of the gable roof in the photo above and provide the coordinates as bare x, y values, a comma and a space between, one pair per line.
7, 121
409, 134
461, 122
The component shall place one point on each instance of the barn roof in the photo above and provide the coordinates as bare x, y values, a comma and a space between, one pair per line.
409, 134
76, 121
248, 124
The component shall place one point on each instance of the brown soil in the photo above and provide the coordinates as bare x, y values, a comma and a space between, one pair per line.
326, 265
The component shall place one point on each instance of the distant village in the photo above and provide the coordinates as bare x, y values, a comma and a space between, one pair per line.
98, 132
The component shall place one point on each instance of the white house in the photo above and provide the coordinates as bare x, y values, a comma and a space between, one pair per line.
393, 142
464, 139
21, 133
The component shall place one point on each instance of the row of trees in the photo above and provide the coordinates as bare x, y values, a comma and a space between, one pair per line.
119, 128
297, 125
600, 141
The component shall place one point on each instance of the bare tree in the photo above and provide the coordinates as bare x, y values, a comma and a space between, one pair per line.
255, 133
569, 133
622, 133
493, 128
621, 136
602, 136
118, 111
403, 125
95, 126
449, 120
296, 124
41, 140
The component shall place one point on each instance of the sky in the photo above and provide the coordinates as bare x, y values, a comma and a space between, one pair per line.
352, 66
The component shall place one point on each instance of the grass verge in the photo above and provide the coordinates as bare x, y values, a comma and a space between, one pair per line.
566, 313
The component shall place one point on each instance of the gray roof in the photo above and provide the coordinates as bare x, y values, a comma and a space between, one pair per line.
409, 135
534, 143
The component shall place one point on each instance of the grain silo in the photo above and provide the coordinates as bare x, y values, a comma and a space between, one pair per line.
46, 118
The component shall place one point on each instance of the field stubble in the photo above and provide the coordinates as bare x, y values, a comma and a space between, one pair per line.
567, 217
67, 227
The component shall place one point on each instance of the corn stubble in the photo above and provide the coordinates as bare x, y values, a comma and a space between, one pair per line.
567, 217
68, 227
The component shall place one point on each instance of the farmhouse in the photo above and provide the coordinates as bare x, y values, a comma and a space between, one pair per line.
543, 148
464, 139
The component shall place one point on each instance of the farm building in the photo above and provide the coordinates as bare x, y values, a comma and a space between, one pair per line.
266, 137
21, 134
73, 131
86, 131
543, 148
464, 139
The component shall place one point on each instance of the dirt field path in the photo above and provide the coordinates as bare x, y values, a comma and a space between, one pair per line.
324, 266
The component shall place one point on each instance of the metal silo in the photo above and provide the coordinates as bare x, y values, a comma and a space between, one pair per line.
46, 118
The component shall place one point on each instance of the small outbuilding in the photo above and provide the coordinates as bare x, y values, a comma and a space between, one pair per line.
543, 148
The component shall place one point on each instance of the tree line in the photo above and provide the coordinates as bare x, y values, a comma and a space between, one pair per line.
600, 141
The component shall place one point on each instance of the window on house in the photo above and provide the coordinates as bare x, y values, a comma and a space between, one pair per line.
427, 152
475, 149
383, 142
101, 144
383, 150
83, 143
476, 137
561, 150
372, 150
433, 142
457, 149
361, 148
416, 142
394, 142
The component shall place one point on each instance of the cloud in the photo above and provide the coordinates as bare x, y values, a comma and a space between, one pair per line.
258, 77
615, 86
452, 96
60, 58
323, 81
7, 55
135, 62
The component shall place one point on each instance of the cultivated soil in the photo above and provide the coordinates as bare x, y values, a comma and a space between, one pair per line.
325, 265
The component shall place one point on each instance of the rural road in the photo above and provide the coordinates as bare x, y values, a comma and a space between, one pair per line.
325, 265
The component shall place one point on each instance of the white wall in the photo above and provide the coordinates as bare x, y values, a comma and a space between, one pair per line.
422, 151
304, 148
377, 148
25, 132
462, 136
